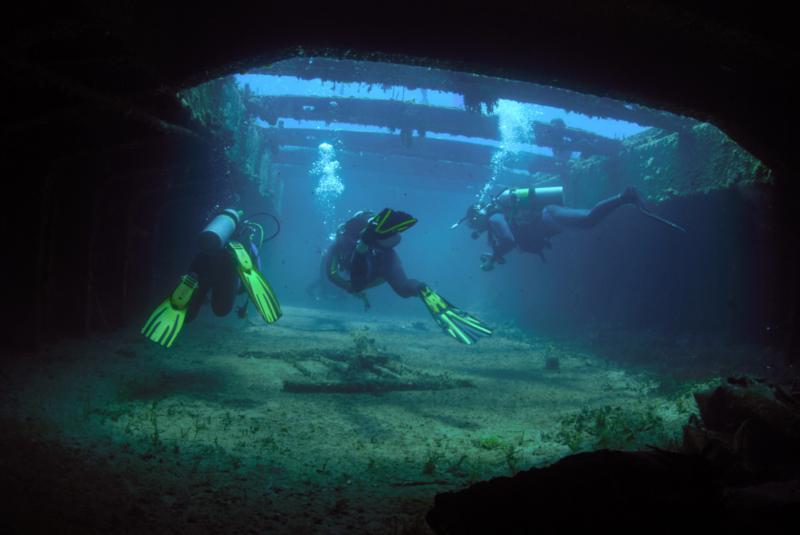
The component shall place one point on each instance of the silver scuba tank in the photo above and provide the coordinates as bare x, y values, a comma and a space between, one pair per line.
545, 196
217, 233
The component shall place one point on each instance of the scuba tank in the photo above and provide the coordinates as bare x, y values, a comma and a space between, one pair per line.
545, 196
524, 205
536, 198
219, 231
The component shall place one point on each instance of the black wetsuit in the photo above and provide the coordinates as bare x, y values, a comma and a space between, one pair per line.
217, 273
365, 270
530, 229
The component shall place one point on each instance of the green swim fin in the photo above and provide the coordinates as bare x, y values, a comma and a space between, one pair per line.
166, 322
389, 222
457, 323
256, 285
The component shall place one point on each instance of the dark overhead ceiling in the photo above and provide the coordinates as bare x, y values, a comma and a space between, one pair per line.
711, 61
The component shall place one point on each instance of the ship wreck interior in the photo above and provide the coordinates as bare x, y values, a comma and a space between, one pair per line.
113, 138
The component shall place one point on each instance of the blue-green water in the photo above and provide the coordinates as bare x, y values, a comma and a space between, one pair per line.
337, 419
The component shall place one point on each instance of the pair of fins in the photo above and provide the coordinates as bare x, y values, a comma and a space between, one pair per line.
166, 322
464, 327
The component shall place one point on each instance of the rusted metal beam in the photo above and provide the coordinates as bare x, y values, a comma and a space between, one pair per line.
476, 89
564, 140
383, 113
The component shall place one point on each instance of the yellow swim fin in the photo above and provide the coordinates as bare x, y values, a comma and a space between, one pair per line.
166, 322
256, 285
453, 321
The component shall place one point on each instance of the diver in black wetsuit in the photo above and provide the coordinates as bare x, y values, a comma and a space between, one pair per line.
364, 250
527, 218
216, 272
227, 255
368, 259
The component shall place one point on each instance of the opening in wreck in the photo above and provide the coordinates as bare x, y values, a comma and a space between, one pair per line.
347, 411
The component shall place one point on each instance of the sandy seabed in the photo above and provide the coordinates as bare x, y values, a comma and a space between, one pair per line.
116, 434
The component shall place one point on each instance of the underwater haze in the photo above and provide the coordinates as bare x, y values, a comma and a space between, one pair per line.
569, 271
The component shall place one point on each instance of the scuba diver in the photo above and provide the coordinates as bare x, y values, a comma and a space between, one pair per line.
528, 217
364, 251
322, 290
227, 263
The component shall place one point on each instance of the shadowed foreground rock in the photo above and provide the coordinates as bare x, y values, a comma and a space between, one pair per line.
740, 471
605, 488
749, 429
